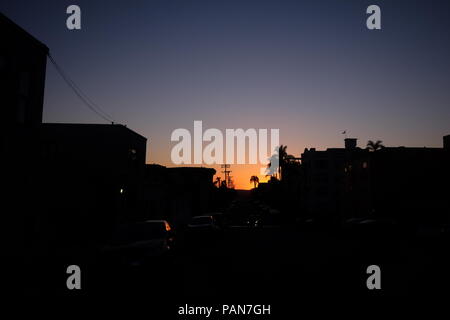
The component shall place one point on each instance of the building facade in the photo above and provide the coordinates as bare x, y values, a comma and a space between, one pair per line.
400, 183
179, 193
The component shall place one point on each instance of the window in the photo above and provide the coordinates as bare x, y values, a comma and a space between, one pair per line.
133, 154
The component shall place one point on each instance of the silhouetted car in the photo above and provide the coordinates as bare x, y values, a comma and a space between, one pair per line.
203, 232
271, 220
369, 227
379, 224
254, 221
309, 224
138, 242
221, 219
318, 224
380, 237
203, 223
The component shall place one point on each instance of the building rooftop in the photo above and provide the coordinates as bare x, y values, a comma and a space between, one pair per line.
9, 27
91, 126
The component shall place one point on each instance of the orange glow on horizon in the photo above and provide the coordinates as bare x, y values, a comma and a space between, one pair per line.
241, 174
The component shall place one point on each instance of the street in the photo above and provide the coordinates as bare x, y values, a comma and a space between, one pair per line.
275, 263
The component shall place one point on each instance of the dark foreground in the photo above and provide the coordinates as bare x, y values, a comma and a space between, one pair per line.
269, 264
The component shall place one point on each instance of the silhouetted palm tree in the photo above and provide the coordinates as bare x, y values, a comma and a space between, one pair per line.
255, 180
217, 182
284, 159
374, 146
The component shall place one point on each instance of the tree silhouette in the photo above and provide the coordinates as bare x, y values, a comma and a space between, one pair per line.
255, 180
284, 159
270, 172
374, 146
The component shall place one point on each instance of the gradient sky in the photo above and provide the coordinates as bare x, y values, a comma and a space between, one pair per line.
310, 68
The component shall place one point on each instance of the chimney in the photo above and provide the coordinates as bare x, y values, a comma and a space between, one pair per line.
350, 143
447, 142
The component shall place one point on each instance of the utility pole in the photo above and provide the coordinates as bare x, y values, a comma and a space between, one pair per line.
226, 172
230, 182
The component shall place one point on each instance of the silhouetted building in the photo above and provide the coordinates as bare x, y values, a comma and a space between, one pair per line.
85, 179
356, 193
22, 79
60, 181
350, 143
176, 194
323, 185
446, 140
404, 184
22, 76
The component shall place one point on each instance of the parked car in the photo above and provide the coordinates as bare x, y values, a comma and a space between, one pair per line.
222, 219
203, 223
138, 242
271, 220
375, 228
203, 232
254, 221
381, 238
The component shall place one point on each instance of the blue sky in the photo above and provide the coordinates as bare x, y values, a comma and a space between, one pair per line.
309, 68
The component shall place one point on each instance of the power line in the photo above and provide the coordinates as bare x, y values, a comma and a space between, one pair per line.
88, 102
83, 97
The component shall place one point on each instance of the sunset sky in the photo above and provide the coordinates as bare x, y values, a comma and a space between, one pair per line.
309, 68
